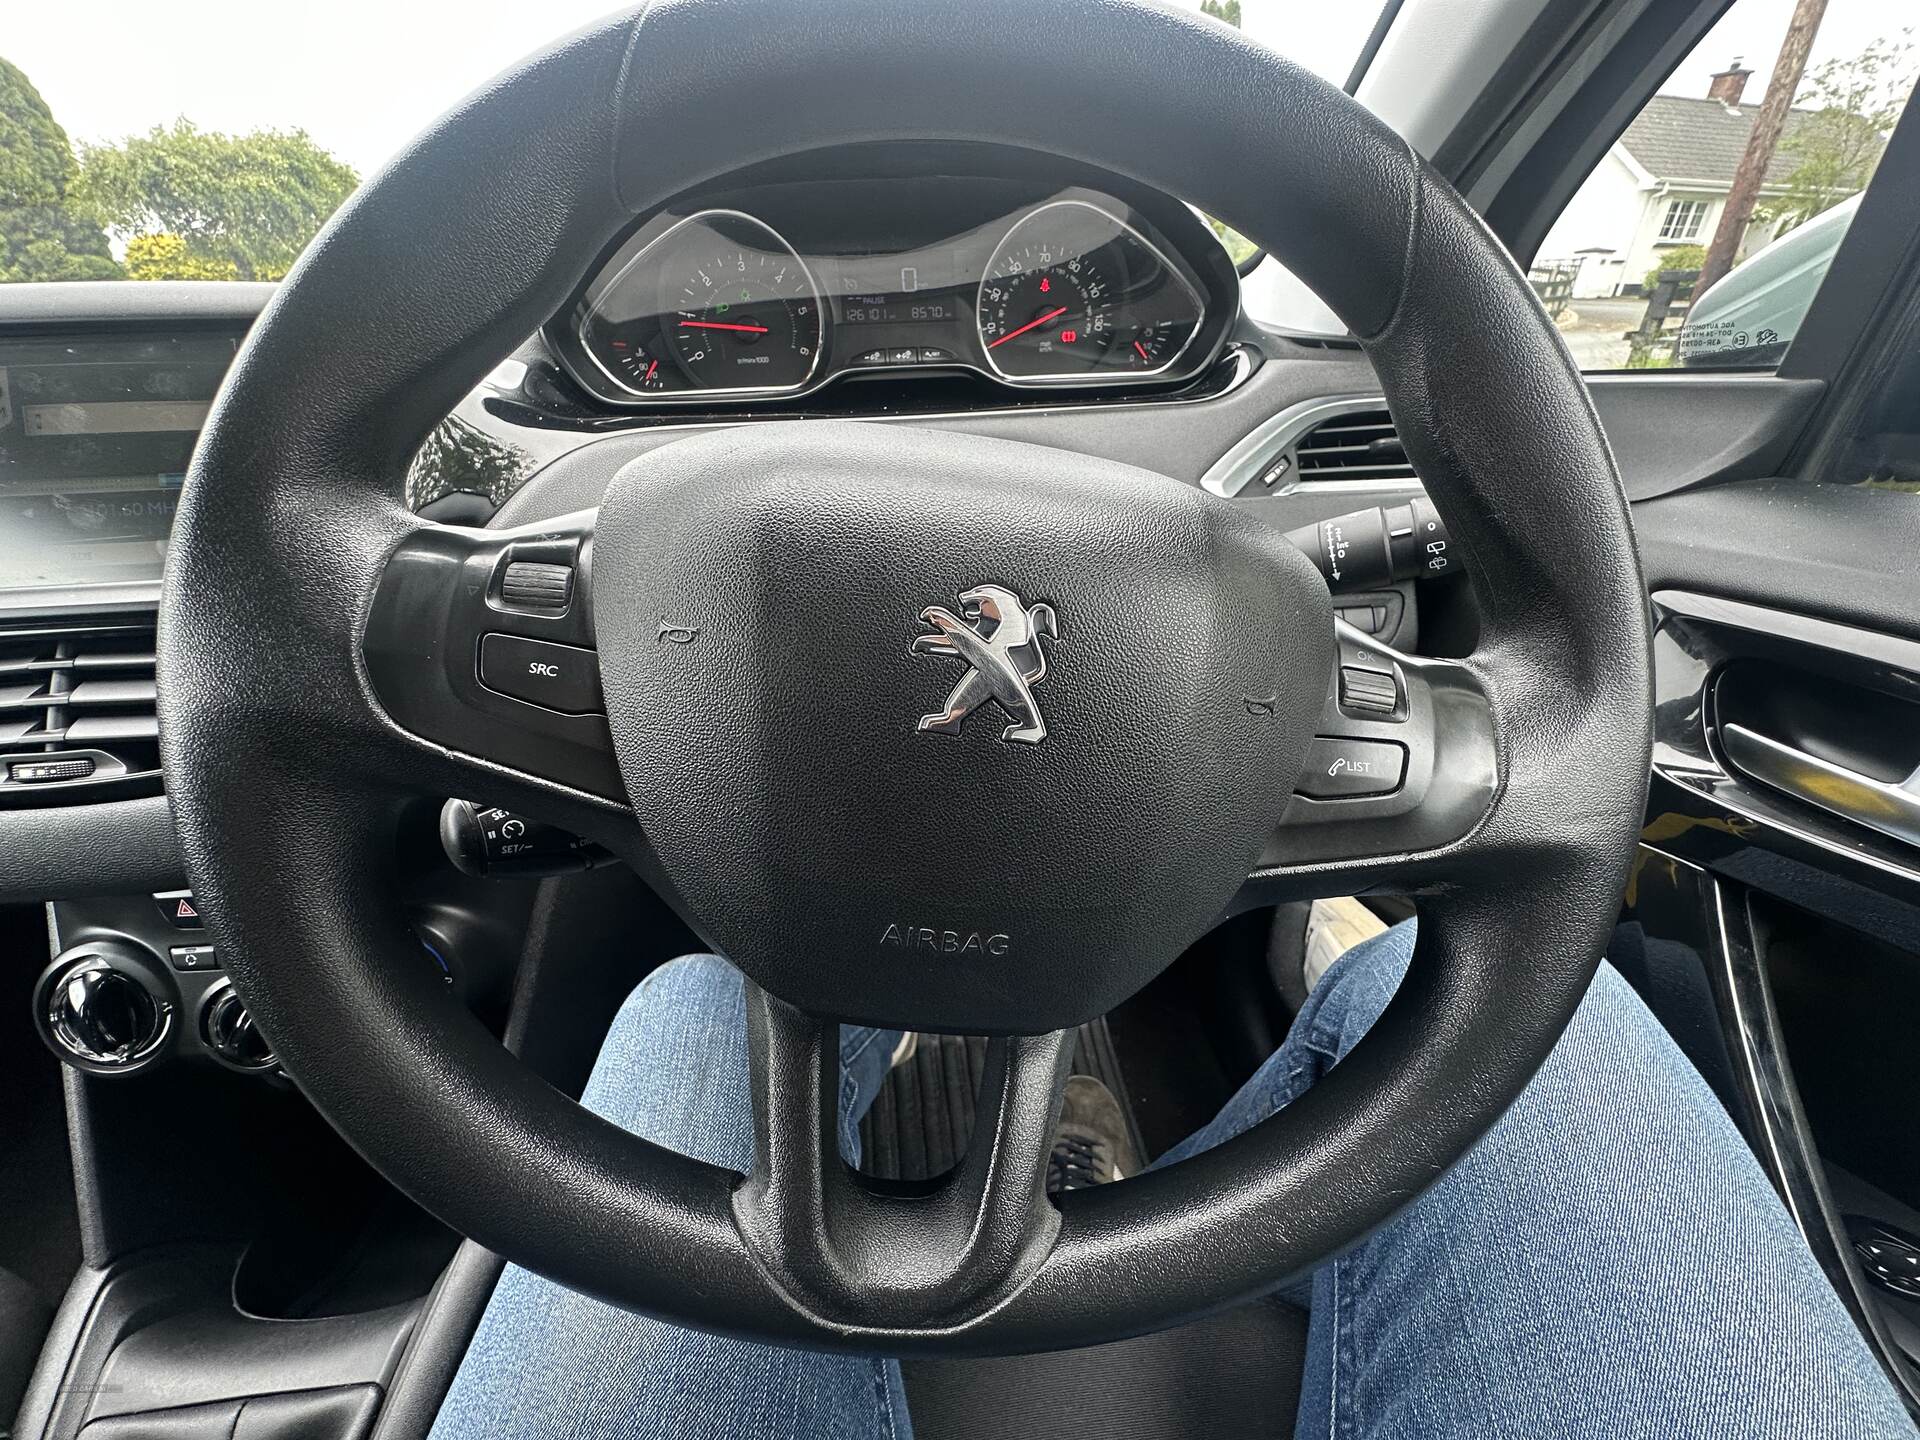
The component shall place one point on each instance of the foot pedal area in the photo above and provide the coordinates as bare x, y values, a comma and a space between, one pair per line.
922, 1118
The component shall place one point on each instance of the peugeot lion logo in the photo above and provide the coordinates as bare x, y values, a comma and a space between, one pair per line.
999, 639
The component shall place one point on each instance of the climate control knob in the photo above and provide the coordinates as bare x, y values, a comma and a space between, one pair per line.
100, 1012
226, 1025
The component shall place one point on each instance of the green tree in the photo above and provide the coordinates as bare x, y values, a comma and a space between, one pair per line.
166, 257
1680, 257
251, 202
41, 238
1227, 10
1849, 108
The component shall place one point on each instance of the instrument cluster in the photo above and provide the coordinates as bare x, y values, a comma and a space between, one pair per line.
777, 290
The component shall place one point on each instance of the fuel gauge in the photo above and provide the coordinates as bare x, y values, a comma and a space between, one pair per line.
1150, 346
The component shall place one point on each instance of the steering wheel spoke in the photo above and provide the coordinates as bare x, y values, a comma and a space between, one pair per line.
856, 1251
1403, 770
482, 642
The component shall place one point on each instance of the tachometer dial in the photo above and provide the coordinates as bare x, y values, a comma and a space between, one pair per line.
1072, 293
749, 319
718, 304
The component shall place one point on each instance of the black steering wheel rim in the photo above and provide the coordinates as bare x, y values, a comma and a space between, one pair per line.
284, 766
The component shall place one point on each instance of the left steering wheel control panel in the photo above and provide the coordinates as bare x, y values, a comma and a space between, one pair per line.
770, 291
482, 641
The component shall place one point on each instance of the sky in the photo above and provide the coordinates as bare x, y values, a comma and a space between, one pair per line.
362, 76
1753, 30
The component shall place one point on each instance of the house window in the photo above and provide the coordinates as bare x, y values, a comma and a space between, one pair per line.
1683, 220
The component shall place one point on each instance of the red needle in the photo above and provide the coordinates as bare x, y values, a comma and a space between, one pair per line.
1050, 315
1142, 349
650, 369
722, 325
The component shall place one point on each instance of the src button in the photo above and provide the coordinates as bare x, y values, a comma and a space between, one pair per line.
560, 677
1342, 769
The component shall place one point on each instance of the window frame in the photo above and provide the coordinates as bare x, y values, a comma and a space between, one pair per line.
1695, 209
1544, 126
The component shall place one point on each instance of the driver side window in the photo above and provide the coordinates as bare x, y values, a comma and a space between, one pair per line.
1702, 236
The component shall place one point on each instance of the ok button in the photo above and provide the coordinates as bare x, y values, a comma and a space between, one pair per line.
559, 677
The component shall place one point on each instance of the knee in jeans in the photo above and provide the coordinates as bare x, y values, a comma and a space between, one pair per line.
691, 984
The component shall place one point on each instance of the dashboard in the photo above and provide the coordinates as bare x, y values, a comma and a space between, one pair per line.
937, 249
775, 290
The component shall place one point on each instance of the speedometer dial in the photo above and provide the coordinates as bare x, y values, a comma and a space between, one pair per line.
1073, 293
718, 304
1042, 312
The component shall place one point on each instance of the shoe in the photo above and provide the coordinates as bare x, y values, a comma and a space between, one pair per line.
1335, 927
1091, 1145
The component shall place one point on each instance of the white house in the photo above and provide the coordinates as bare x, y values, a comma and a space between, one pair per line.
1663, 184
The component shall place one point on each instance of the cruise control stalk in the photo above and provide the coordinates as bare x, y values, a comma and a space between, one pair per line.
1366, 549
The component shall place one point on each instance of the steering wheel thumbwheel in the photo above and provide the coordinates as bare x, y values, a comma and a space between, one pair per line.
773, 613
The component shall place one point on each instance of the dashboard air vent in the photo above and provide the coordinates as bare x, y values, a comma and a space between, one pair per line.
77, 712
1360, 446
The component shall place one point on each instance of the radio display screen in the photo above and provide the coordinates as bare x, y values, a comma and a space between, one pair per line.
95, 435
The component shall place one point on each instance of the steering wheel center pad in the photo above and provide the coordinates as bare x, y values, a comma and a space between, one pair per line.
944, 732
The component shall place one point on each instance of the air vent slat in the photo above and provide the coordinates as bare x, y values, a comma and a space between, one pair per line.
116, 660
1335, 427
82, 694
100, 729
1327, 454
22, 697
1363, 472
1361, 446
111, 692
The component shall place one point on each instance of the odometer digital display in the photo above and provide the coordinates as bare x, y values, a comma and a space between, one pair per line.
915, 309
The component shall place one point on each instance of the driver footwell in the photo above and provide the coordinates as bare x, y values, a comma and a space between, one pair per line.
1237, 1373
919, 1123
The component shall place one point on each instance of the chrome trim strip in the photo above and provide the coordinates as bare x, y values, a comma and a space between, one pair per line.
1889, 650
1241, 465
80, 601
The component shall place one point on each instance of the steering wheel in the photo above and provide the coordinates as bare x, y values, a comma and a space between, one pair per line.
748, 603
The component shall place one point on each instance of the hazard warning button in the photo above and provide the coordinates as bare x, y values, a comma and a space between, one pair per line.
179, 909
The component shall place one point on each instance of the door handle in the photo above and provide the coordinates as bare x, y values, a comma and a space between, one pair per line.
1891, 809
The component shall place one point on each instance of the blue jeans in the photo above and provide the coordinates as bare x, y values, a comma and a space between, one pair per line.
1608, 1261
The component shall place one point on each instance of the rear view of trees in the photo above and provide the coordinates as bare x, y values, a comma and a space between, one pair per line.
182, 203
42, 235
1855, 102
213, 206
